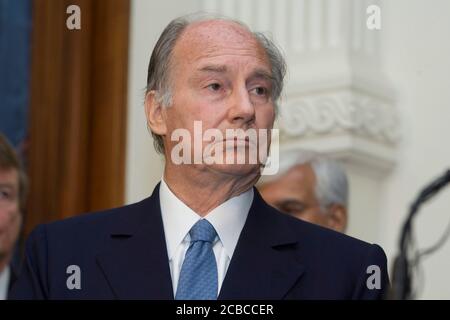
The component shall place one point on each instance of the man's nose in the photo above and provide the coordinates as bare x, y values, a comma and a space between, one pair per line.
241, 110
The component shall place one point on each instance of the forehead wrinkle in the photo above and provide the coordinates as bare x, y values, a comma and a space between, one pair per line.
213, 68
211, 54
214, 49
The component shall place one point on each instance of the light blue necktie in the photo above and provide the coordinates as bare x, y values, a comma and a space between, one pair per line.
198, 277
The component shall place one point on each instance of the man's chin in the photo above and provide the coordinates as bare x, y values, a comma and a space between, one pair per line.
236, 169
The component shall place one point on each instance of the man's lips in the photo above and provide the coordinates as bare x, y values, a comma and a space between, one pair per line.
239, 141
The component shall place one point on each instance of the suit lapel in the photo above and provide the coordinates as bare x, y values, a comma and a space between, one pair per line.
135, 262
264, 264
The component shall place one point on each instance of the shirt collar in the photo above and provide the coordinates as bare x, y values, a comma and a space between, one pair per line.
228, 219
4, 282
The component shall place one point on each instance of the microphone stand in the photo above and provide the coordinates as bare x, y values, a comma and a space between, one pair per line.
401, 278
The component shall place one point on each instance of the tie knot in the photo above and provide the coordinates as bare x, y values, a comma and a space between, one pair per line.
203, 231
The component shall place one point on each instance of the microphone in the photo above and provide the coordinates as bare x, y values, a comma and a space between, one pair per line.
402, 273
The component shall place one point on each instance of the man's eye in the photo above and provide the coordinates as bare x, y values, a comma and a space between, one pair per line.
293, 209
260, 91
215, 86
4, 195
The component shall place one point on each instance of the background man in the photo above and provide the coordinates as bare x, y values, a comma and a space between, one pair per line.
12, 202
311, 187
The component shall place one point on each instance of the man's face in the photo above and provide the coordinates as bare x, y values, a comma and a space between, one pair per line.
221, 77
10, 217
294, 194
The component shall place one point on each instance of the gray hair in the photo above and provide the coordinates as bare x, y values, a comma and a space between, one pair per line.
331, 179
158, 76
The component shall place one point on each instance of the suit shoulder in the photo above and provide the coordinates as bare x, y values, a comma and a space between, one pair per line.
332, 243
95, 223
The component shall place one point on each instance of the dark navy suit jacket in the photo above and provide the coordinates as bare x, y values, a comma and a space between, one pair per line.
121, 254
12, 279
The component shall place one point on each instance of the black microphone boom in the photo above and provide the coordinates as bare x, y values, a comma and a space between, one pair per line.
401, 278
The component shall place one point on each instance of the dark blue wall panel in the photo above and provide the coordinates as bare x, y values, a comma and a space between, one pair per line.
15, 33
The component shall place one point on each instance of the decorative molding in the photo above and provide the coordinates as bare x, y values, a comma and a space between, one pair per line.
342, 110
367, 157
353, 125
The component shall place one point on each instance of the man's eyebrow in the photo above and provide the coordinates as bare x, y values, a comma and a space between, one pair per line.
262, 74
257, 74
7, 185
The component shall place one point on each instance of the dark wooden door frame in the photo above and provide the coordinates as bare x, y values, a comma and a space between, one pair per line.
78, 107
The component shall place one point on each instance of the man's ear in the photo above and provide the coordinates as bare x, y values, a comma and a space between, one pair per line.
337, 217
156, 119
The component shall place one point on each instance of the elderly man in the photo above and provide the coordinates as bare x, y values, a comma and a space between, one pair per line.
310, 187
12, 194
205, 232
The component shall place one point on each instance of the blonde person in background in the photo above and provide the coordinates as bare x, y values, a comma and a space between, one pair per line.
12, 202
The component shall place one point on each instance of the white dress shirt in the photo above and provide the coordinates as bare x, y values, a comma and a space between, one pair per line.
4, 282
228, 219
